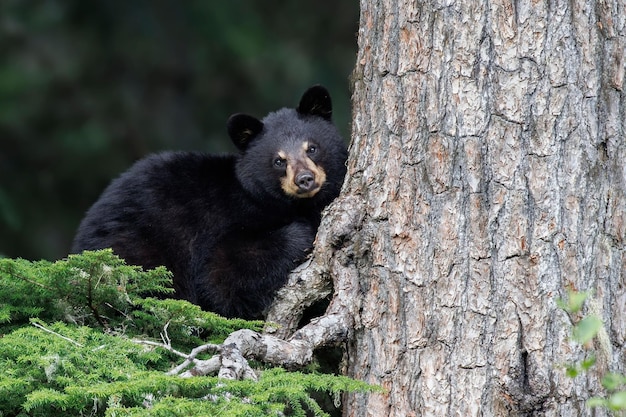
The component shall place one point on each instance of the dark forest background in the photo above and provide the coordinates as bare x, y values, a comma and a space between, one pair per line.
88, 87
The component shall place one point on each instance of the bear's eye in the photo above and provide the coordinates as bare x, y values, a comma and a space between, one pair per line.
279, 162
311, 149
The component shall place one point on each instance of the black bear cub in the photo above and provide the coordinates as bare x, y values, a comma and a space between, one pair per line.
230, 228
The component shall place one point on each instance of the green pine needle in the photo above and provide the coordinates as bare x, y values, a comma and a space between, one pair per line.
67, 347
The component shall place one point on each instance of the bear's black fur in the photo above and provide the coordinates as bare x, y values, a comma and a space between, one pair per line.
231, 227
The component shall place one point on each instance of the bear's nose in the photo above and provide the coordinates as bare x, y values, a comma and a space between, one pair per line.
305, 181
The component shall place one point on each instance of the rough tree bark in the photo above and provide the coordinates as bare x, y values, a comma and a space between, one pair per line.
487, 175
489, 152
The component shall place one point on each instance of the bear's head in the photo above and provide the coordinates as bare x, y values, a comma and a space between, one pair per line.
292, 154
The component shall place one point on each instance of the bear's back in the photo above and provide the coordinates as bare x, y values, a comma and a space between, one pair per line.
160, 203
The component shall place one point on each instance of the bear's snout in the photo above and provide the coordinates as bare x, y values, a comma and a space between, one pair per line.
305, 180
302, 179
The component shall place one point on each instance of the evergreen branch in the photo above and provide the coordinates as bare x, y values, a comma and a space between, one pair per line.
17, 275
90, 303
161, 345
117, 310
164, 336
39, 326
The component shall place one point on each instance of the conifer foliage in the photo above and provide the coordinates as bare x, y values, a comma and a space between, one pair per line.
88, 335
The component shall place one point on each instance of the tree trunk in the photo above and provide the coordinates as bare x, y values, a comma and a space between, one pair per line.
488, 167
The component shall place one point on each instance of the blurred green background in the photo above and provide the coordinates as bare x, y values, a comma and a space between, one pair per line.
88, 87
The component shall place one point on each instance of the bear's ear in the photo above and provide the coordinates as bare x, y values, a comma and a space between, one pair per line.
242, 129
316, 102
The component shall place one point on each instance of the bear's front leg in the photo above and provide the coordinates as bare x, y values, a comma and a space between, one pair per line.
241, 276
